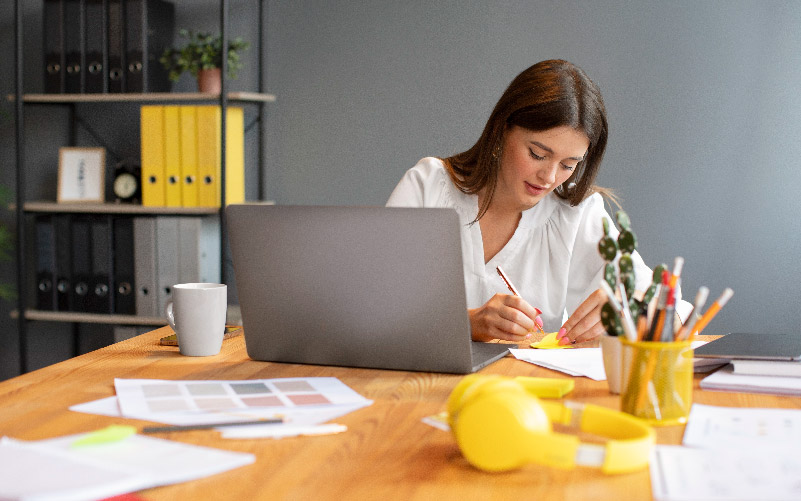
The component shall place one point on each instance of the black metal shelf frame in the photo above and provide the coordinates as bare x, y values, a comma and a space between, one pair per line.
19, 112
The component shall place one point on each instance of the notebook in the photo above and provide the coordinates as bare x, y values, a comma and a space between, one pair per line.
377, 287
753, 346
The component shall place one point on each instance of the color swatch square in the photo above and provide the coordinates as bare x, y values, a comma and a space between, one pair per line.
215, 403
203, 389
169, 405
250, 388
161, 390
294, 386
308, 399
264, 401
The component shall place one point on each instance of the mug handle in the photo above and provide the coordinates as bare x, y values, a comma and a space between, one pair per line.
170, 315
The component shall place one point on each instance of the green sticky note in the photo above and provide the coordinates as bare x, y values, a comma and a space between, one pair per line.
110, 434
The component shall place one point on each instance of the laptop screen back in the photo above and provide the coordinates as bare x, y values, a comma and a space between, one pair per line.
352, 286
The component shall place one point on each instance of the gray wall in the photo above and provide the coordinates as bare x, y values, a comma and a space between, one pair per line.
702, 97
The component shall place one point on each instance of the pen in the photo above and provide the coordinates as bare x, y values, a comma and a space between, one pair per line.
712, 311
207, 426
514, 291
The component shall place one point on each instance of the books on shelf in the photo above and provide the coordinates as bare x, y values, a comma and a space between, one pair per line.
181, 157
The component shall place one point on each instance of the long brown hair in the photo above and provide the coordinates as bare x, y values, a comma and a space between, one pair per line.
548, 94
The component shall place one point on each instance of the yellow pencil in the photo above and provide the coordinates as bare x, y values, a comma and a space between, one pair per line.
712, 311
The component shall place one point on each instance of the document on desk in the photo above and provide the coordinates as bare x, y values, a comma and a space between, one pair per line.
732, 453
687, 473
54, 469
575, 362
301, 401
713, 427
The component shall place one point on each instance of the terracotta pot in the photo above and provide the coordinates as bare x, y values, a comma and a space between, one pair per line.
208, 81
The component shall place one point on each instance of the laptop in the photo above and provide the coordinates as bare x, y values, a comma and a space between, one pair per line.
749, 346
376, 287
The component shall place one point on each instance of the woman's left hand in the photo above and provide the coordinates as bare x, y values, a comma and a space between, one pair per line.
585, 323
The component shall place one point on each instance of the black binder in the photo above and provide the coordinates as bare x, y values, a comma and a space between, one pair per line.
45, 263
124, 286
81, 262
100, 291
62, 225
53, 14
116, 46
96, 56
73, 36
149, 26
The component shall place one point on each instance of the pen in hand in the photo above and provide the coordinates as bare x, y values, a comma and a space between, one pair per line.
514, 291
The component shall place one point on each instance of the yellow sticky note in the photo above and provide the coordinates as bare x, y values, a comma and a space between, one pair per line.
549, 342
110, 434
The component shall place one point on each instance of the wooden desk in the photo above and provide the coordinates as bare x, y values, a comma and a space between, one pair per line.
387, 452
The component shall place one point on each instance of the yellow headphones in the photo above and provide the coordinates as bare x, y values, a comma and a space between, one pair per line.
500, 425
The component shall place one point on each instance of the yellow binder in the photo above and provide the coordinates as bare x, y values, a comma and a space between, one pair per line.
209, 165
152, 155
172, 156
189, 167
235, 156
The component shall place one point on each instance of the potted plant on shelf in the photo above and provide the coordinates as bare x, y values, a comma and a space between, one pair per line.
202, 57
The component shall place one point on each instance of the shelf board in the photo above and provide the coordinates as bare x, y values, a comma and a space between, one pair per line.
112, 208
89, 318
252, 97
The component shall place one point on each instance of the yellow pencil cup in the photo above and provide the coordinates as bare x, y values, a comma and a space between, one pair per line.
657, 381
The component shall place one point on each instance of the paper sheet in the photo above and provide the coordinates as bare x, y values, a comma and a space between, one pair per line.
575, 362
53, 470
685, 473
301, 401
731, 453
714, 427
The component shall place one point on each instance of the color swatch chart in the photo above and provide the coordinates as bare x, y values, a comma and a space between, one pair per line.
138, 397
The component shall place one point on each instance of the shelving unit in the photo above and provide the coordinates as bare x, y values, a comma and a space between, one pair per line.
22, 99
252, 97
112, 208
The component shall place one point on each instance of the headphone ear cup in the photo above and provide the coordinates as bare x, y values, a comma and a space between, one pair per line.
496, 429
465, 390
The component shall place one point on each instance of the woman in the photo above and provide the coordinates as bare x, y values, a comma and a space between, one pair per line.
525, 195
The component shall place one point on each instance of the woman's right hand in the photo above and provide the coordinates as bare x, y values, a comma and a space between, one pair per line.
505, 317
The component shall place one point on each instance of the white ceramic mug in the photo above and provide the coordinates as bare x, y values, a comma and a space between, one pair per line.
197, 315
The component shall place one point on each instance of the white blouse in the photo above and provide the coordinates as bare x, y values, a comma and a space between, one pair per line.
552, 258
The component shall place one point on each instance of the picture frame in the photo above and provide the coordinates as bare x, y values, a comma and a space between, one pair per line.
81, 174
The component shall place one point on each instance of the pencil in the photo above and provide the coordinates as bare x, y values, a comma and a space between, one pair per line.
659, 319
712, 311
506, 281
514, 291
700, 300
207, 426
629, 329
678, 264
628, 320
